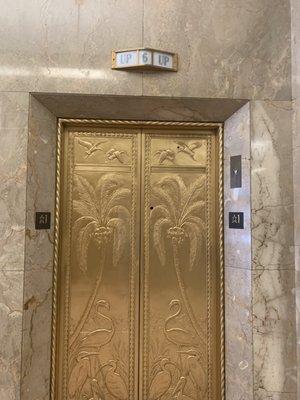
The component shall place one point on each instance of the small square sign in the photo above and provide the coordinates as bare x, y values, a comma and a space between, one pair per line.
236, 220
42, 220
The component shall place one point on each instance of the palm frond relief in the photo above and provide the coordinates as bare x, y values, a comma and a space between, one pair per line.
177, 215
103, 215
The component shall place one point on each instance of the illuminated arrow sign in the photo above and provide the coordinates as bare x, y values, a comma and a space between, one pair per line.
144, 60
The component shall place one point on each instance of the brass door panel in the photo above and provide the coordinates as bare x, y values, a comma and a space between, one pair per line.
99, 266
180, 336
137, 313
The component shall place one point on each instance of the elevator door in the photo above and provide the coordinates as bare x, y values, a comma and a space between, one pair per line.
138, 313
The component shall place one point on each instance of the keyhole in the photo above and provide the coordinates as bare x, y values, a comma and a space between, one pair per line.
151, 207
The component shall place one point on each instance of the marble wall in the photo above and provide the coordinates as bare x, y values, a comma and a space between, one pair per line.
273, 281
13, 163
39, 255
227, 49
296, 157
38, 267
238, 285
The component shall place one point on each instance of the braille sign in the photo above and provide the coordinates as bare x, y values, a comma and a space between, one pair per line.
42, 220
236, 220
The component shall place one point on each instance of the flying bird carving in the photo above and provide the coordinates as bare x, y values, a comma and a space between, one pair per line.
91, 147
165, 154
114, 154
189, 148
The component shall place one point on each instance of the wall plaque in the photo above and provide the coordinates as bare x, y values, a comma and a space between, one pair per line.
236, 220
42, 220
144, 59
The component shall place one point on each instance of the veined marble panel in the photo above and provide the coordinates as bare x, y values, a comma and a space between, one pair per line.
271, 153
36, 353
272, 185
238, 333
295, 33
39, 254
227, 48
237, 134
262, 394
237, 142
274, 332
296, 108
238, 288
13, 147
296, 163
40, 185
273, 238
65, 46
11, 301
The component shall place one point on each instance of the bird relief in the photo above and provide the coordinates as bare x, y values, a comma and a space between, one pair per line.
171, 155
183, 379
120, 155
91, 149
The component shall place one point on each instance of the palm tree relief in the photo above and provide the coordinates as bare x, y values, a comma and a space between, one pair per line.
178, 219
102, 220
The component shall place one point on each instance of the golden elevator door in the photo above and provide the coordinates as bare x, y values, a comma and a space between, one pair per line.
180, 345
138, 304
99, 266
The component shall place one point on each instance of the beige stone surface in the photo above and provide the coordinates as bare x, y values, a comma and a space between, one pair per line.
11, 301
295, 34
274, 331
271, 152
13, 147
36, 345
237, 142
65, 46
238, 285
238, 331
227, 48
36, 349
273, 255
